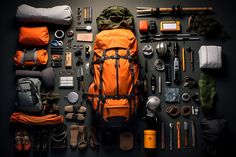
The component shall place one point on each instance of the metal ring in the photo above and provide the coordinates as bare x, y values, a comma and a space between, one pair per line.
59, 34
147, 50
159, 64
185, 97
60, 43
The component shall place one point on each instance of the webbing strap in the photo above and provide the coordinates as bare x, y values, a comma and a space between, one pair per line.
132, 76
29, 55
102, 59
109, 96
101, 69
117, 72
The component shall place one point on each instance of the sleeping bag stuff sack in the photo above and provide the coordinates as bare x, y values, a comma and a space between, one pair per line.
113, 92
33, 36
61, 15
31, 57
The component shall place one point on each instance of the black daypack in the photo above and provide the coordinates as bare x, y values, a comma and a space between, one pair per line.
28, 95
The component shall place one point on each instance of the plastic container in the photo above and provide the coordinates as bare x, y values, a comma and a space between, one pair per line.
150, 139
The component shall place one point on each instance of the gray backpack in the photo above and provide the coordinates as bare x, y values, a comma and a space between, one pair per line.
28, 95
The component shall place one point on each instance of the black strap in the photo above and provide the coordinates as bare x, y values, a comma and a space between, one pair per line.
103, 100
117, 71
108, 96
102, 59
132, 76
101, 80
101, 70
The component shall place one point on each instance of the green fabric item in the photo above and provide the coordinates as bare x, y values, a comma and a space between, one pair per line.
115, 17
207, 92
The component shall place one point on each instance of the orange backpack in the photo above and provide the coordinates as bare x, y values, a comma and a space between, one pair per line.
115, 64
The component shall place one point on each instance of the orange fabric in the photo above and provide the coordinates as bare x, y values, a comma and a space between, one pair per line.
50, 119
41, 57
110, 40
33, 36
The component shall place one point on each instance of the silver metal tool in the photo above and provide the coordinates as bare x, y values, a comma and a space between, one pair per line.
193, 133
171, 135
84, 28
159, 84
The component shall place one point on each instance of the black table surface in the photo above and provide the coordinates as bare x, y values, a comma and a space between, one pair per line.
225, 78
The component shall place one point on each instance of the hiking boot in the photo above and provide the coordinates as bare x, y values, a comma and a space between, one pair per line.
18, 141
44, 140
26, 141
82, 137
74, 131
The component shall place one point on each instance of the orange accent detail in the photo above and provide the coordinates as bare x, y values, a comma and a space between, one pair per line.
150, 139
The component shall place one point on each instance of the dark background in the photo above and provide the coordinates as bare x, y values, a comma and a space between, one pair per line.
225, 78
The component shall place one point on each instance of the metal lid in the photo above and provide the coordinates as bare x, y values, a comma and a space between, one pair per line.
72, 97
153, 102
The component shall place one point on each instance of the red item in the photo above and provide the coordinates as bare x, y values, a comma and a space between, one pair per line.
143, 26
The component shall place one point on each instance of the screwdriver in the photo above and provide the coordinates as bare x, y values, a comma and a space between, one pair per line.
185, 134
178, 134
171, 135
